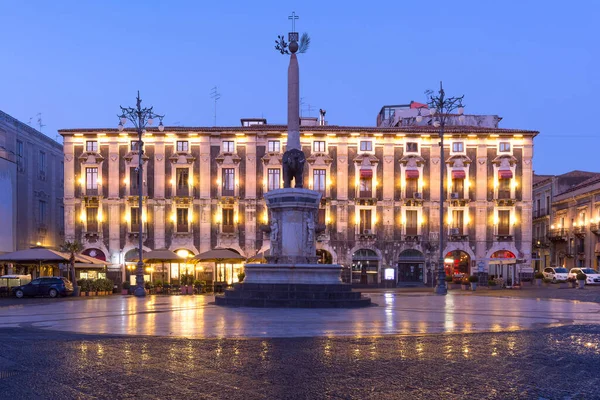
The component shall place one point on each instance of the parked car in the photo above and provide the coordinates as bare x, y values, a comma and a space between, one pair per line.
556, 273
591, 275
52, 286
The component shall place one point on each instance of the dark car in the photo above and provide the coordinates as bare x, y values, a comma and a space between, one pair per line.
52, 286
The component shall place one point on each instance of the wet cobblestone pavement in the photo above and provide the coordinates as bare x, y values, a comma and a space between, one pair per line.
549, 363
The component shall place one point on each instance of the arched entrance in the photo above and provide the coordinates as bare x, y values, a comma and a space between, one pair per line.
91, 271
96, 253
365, 267
503, 266
410, 266
456, 264
325, 257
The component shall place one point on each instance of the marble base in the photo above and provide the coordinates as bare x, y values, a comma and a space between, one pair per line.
314, 274
292, 296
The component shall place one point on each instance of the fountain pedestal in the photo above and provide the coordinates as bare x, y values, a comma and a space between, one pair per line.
291, 277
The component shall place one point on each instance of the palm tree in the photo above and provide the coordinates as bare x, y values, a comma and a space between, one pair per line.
72, 248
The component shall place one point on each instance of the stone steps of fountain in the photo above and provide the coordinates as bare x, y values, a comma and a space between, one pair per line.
292, 295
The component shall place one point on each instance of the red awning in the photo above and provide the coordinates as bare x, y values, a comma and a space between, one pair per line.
412, 174
458, 174
366, 173
505, 174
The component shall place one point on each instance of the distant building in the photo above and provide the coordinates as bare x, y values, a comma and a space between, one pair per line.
548, 232
203, 188
31, 187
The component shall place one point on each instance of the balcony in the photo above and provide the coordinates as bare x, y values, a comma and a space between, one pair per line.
539, 213
91, 192
182, 191
367, 234
501, 237
579, 231
457, 235
557, 235
135, 235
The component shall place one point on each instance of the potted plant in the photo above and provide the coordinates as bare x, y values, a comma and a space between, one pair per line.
126, 286
159, 286
538, 279
241, 276
198, 285
464, 283
110, 286
149, 286
473, 279
184, 283
492, 285
581, 277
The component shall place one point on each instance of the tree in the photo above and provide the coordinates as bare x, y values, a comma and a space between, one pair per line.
72, 248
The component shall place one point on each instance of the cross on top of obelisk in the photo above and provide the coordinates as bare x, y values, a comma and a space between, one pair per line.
293, 35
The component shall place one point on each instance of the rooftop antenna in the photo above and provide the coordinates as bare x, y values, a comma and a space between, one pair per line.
39, 121
215, 95
309, 109
301, 105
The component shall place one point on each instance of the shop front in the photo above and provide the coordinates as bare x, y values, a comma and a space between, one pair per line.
456, 264
410, 266
503, 267
365, 267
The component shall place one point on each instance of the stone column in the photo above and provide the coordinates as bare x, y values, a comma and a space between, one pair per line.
293, 139
114, 180
481, 203
205, 181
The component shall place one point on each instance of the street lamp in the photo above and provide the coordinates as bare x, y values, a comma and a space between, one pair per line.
440, 108
140, 118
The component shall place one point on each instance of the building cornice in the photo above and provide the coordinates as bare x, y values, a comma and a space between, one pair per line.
339, 130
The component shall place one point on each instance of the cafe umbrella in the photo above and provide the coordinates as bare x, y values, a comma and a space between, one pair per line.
219, 256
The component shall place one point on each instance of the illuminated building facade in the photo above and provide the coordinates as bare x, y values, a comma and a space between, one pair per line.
203, 189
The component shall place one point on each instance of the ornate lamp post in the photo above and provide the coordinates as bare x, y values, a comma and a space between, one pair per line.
140, 118
440, 108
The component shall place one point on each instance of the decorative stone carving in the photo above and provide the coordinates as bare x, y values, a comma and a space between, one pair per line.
435, 160
274, 232
527, 161
388, 159
482, 160
310, 232
114, 157
69, 157
160, 157
342, 160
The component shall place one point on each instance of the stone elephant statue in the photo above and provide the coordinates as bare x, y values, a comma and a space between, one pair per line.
293, 167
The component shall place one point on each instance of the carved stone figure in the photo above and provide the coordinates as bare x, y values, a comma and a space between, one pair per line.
293, 167
310, 228
274, 232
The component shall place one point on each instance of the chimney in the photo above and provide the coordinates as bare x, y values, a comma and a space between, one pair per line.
322, 117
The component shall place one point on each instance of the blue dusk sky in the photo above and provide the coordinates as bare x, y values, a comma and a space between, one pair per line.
534, 63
